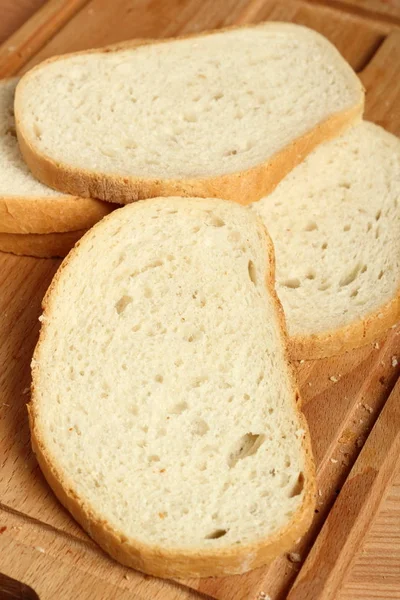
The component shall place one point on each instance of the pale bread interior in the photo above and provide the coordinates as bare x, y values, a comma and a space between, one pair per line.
16, 179
335, 224
196, 107
162, 393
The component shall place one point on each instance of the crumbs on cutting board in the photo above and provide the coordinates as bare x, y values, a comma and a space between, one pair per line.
335, 378
294, 557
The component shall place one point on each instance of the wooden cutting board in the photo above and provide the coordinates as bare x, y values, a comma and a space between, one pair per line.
352, 403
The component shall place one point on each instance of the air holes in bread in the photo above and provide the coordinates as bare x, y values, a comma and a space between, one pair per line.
311, 226
190, 117
122, 303
350, 276
216, 221
245, 447
215, 535
298, 487
252, 272
347, 227
198, 381
130, 145
200, 427
310, 274
179, 408
381, 273
194, 336
230, 152
37, 131
293, 283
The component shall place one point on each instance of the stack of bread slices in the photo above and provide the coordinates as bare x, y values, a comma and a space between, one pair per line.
164, 413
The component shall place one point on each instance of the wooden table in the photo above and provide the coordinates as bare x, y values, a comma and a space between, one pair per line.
375, 557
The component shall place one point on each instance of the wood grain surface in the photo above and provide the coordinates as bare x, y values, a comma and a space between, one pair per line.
377, 10
351, 402
15, 13
31, 36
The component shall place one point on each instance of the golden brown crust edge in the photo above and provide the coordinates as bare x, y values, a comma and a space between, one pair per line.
347, 338
41, 245
46, 214
243, 187
155, 560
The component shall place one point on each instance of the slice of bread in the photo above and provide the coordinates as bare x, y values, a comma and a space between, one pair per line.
164, 413
225, 114
40, 245
27, 206
335, 224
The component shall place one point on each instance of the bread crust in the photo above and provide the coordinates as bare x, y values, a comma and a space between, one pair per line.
41, 245
46, 214
351, 336
156, 560
242, 186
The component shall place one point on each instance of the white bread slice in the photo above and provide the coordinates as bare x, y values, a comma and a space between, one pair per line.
40, 245
164, 413
335, 224
27, 206
224, 114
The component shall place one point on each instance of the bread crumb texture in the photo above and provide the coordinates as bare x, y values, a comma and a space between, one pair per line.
162, 392
197, 107
335, 222
16, 179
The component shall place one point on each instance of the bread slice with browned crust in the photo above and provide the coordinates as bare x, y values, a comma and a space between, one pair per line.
40, 245
224, 114
335, 224
164, 412
26, 205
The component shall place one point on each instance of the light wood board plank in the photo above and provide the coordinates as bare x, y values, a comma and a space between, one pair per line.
355, 400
